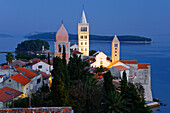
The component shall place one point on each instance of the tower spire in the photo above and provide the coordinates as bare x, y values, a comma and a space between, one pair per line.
83, 18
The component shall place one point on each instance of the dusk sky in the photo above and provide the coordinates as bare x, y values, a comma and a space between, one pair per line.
106, 17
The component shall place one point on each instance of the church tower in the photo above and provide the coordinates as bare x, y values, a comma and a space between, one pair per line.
115, 49
83, 35
62, 43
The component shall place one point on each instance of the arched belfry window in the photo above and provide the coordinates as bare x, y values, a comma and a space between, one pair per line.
64, 48
59, 48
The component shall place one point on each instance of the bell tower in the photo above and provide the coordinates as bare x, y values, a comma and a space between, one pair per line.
115, 49
83, 35
62, 43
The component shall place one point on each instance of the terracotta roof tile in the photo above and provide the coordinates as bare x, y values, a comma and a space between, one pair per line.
112, 64
129, 61
21, 79
96, 54
45, 76
143, 66
121, 68
5, 94
26, 72
76, 52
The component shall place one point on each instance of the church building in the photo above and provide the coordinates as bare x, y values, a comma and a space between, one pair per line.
83, 35
62, 43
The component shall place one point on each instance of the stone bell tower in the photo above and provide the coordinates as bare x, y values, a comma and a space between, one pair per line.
83, 35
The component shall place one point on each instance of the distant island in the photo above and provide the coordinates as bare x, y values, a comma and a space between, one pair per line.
50, 36
5, 36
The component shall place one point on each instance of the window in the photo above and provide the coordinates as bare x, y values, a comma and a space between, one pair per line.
83, 28
59, 48
81, 49
115, 51
81, 37
40, 66
81, 43
115, 48
85, 37
116, 45
38, 80
115, 55
101, 62
9, 80
85, 49
85, 43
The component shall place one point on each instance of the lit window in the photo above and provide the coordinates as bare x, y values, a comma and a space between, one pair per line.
85, 49
81, 49
83, 28
116, 45
101, 62
81, 43
85, 37
85, 43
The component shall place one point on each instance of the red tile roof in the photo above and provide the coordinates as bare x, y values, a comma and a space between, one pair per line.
121, 68
1, 76
21, 79
45, 76
91, 59
129, 61
112, 64
5, 94
76, 52
143, 66
26, 72
95, 54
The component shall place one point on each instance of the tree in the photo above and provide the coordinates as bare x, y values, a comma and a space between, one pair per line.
76, 67
92, 52
86, 97
114, 103
9, 57
32, 47
129, 92
59, 92
108, 85
49, 59
21, 56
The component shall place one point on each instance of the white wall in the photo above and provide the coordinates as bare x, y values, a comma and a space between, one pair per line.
45, 67
100, 57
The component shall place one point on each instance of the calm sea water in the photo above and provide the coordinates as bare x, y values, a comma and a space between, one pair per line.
157, 54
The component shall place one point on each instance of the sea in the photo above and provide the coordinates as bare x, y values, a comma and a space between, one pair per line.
157, 54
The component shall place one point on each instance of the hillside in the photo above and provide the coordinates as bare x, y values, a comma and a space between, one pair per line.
125, 38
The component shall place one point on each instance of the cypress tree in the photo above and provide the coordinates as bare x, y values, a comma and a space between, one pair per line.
49, 59
108, 86
129, 92
59, 93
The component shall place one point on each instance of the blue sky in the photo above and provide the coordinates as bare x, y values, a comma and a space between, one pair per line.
106, 17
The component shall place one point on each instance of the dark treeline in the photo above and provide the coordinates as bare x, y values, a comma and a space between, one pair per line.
51, 36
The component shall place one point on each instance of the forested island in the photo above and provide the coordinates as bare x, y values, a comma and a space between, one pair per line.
125, 38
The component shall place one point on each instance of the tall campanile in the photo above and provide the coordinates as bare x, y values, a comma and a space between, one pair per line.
83, 35
115, 49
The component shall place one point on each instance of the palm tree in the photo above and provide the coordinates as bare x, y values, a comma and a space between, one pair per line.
114, 103
9, 57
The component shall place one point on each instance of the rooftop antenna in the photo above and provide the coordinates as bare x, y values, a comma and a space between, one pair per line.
83, 6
